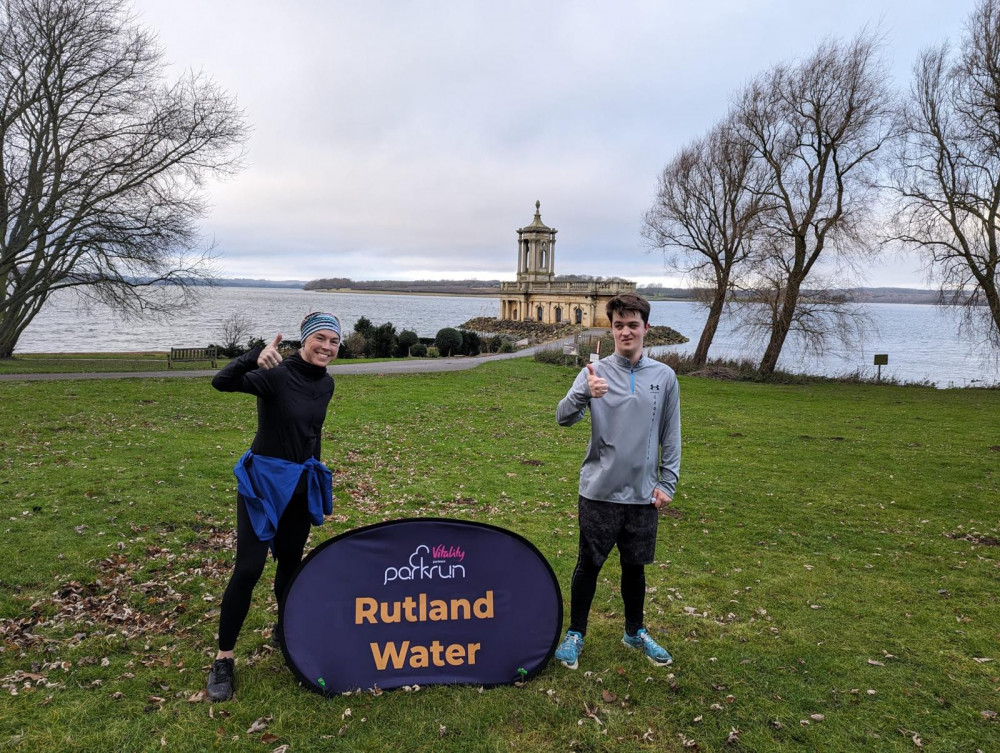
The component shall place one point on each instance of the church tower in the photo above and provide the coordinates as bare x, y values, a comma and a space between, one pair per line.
537, 297
536, 246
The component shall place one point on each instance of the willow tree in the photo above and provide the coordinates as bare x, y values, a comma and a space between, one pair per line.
705, 216
103, 161
817, 127
948, 177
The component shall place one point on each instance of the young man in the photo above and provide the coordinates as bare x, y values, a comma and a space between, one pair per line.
628, 475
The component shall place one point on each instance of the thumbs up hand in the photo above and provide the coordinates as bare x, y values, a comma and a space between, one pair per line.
598, 387
270, 357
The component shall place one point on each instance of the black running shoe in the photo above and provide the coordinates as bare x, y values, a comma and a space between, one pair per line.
220, 680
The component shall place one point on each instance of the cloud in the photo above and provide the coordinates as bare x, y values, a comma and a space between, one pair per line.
394, 138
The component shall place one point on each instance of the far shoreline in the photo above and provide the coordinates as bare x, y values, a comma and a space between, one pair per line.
470, 294
353, 291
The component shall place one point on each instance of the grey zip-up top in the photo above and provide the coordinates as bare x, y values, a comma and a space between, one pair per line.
635, 430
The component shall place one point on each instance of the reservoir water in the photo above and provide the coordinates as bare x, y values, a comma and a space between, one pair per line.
923, 342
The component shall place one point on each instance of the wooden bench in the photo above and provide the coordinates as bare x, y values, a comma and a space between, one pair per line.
192, 354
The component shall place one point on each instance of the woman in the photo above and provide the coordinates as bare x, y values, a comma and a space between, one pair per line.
282, 485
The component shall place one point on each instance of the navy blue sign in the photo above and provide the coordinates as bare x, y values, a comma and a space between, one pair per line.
420, 601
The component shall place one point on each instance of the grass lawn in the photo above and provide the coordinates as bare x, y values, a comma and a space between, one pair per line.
828, 579
101, 363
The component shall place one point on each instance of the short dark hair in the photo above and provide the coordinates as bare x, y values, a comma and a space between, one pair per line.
628, 303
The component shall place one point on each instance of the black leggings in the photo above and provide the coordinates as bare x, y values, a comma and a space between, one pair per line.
251, 555
585, 585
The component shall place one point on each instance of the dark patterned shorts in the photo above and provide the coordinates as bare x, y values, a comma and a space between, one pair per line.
605, 524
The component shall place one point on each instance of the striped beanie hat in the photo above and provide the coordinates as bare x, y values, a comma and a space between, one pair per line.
318, 320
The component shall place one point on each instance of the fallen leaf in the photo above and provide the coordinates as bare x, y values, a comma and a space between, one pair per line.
734, 736
260, 724
608, 696
988, 714
592, 713
197, 697
817, 717
875, 663
268, 738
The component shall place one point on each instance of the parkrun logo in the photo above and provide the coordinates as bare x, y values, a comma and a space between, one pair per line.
444, 563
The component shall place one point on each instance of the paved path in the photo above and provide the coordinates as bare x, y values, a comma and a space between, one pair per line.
401, 366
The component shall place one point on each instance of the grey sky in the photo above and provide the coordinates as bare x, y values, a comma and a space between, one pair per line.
410, 140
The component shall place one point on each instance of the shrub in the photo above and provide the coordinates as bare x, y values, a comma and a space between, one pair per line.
448, 341
418, 350
471, 343
495, 343
353, 346
556, 356
433, 352
405, 342
382, 341
227, 351
506, 347
364, 327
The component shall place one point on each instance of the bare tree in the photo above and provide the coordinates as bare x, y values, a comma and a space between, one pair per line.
948, 173
103, 162
235, 330
817, 127
705, 215
823, 314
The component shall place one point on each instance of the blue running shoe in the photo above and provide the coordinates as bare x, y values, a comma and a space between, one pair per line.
644, 642
570, 648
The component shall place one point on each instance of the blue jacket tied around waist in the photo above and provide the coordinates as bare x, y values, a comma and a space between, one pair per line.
267, 485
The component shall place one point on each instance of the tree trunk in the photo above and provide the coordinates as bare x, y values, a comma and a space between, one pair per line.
711, 325
993, 301
8, 337
782, 325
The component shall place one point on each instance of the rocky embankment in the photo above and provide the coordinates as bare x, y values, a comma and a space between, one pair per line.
538, 332
535, 332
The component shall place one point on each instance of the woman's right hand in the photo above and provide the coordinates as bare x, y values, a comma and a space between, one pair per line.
270, 357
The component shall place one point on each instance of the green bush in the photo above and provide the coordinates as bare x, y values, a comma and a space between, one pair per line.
382, 341
418, 350
448, 341
433, 352
364, 327
471, 343
506, 347
556, 356
405, 342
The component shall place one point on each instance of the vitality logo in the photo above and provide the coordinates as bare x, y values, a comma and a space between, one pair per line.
441, 564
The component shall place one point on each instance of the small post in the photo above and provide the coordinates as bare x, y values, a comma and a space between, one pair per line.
881, 359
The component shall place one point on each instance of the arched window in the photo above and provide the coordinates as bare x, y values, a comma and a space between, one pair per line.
527, 256
541, 313
579, 315
545, 256
558, 314
513, 313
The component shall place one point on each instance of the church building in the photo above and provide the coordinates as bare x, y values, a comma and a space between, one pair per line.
536, 296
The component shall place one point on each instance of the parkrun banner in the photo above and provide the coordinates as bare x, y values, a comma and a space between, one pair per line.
420, 602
